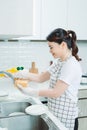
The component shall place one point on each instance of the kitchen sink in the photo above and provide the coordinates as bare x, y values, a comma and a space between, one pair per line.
14, 117
23, 122
13, 108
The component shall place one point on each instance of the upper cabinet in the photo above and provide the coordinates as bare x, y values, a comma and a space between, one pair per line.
68, 14
18, 18
54, 15
35, 19
77, 18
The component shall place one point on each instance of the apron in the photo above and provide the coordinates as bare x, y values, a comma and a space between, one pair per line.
62, 107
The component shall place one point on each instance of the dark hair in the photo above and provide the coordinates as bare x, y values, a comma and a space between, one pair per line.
59, 35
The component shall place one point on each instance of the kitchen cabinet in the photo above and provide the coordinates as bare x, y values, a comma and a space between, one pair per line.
82, 109
82, 123
77, 18
18, 18
67, 14
54, 15
35, 19
82, 93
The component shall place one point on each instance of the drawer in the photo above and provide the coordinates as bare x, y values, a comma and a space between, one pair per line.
82, 104
82, 93
82, 123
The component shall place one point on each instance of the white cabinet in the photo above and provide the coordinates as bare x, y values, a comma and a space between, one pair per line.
82, 93
82, 109
54, 15
68, 14
82, 123
82, 103
18, 18
35, 19
77, 18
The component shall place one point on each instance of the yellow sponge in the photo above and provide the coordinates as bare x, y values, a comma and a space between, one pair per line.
12, 70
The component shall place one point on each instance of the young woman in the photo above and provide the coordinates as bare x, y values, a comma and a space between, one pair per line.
64, 74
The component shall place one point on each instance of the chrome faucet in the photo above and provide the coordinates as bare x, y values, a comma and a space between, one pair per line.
8, 74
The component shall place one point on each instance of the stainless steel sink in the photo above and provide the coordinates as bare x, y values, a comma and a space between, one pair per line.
7, 108
19, 122
24, 122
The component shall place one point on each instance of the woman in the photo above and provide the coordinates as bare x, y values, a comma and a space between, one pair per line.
64, 74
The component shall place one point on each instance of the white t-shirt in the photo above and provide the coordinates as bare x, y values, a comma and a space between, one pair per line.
70, 73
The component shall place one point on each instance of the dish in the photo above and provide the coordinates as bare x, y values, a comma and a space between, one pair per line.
36, 109
16, 113
3, 94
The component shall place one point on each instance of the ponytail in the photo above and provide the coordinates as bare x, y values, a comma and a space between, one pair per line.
74, 47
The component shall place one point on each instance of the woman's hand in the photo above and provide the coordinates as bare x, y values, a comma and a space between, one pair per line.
23, 83
22, 74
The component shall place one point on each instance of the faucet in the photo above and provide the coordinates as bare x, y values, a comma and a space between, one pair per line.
8, 74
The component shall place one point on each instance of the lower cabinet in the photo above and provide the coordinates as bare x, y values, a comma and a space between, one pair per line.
82, 123
82, 93
82, 107
82, 103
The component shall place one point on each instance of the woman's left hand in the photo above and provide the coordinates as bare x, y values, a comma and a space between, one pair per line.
23, 83
26, 90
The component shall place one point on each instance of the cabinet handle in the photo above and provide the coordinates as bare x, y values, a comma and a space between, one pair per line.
82, 117
82, 98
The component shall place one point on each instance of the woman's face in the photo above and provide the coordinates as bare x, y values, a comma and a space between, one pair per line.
55, 49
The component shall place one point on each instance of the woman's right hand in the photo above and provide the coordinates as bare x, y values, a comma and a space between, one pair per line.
20, 84
22, 74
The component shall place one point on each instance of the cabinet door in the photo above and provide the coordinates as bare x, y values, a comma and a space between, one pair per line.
82, 104
82, 123
16, 17
54, 15
77, 18
82, 93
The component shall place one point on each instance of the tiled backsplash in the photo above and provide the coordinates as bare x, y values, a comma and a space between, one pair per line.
82, 45
22, 53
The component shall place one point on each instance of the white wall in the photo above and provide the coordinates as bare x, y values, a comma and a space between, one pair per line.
82, 45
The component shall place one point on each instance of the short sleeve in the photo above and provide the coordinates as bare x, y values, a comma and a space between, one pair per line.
70, 72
